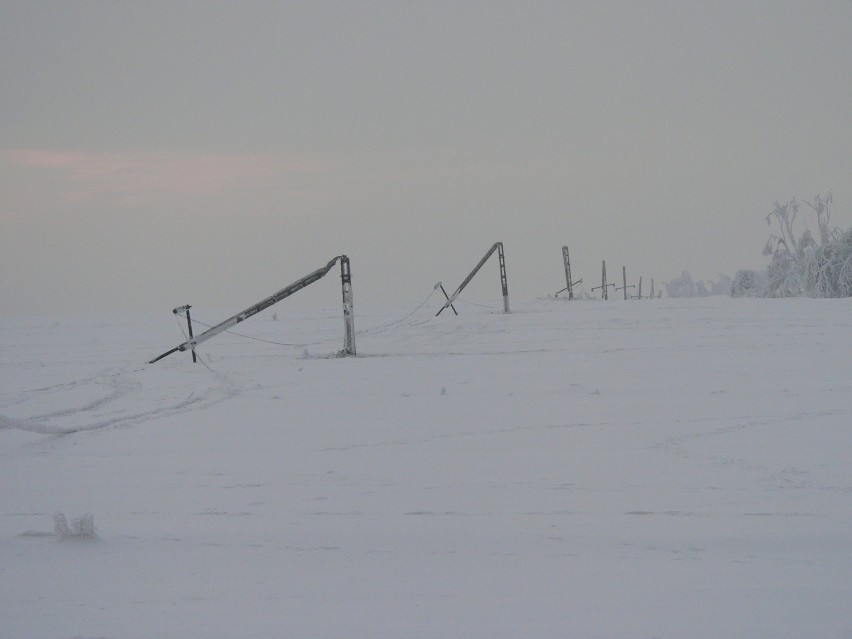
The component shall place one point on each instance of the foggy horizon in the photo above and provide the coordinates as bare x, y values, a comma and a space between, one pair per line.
156, 154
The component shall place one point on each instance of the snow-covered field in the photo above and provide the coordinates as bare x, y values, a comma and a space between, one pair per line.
669, 468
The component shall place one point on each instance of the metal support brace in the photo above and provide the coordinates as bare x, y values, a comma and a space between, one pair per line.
441, 286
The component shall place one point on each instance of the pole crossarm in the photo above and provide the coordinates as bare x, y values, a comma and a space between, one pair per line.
573, 284
604, 287
498, 246
440, 285
254, 309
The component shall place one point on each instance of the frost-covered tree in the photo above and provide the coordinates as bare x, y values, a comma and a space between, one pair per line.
722, 286
685, 286
682, 286
799, 265
748, 284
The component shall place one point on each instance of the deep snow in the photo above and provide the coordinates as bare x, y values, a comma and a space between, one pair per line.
655, 468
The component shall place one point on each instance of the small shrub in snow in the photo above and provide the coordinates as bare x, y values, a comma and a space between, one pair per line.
80, 528
748, 284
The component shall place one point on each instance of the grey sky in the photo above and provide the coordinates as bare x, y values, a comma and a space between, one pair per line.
159, 153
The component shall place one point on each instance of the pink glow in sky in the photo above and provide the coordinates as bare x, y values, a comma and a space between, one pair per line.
410, 136
142, 177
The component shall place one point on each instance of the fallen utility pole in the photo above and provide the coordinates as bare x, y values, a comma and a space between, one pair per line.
298, 285
498, 246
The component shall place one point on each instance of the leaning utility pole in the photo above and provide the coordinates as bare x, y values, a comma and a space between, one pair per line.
567, 262
570, 285
498, 246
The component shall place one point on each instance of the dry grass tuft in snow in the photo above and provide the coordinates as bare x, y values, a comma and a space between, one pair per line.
82, 528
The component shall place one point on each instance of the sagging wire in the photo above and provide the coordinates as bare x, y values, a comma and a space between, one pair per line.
197, 354
258, 339
374, 329
464, 301
384, 327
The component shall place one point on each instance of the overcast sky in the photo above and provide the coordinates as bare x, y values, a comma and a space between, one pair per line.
160, 153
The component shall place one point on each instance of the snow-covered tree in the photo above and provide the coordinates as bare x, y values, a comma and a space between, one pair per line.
722, 286
682, 286
748, 284
685, 286
799, 265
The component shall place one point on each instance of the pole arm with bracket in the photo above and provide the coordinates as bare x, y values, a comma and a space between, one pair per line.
440, 285
624, 287
604, 287
573, 284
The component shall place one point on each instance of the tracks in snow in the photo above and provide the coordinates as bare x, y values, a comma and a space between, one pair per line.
117, 400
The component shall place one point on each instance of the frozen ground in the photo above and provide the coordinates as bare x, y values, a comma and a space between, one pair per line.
668, 468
